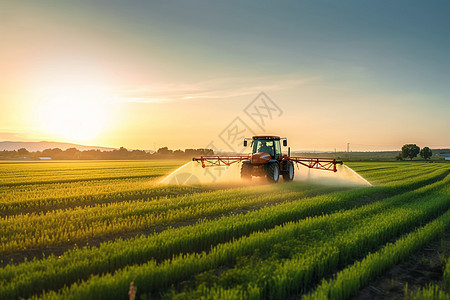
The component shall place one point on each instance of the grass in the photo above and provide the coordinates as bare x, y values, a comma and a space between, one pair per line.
267, 241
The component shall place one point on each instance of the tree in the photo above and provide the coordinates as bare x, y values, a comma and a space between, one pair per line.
23, 151
72, 153
426, 152
399, 156
122, 153
410, 151
54, 153
164, 151
178, 153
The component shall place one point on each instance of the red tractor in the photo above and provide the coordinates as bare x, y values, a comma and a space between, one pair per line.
268, 160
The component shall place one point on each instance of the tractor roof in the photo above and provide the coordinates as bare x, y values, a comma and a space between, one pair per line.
266, 137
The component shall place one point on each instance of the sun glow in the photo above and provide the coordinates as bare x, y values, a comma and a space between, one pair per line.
77, 114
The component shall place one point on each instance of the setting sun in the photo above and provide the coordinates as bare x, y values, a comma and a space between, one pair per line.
75, 113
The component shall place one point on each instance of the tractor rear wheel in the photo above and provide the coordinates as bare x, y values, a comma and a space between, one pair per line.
246, 171
289, 174
273, 172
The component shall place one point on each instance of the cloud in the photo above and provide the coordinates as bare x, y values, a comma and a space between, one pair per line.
146, 100
218, 88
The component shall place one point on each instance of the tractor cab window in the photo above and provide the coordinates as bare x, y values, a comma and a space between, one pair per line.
266, 146
277, 149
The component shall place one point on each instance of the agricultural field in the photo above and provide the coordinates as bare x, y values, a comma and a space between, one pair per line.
102, 229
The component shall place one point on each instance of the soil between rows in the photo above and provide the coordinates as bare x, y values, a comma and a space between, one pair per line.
418, 270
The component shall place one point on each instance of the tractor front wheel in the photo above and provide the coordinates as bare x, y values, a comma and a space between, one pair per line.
246, 171
273, 172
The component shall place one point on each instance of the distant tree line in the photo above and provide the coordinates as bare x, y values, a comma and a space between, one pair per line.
412, 150
122, 153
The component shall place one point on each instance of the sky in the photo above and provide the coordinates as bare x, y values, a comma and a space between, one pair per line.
196, 74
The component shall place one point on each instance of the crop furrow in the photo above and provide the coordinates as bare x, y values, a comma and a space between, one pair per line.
152, 277
193, 238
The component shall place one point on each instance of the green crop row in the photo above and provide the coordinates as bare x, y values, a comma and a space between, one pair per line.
91, 195
77, 224
200, 236
59, 227
82, 200
109, 256
430, 292
328, 250
395, 172
388, 168
16, 174
55, 272
43, 197
350, 280
322, 243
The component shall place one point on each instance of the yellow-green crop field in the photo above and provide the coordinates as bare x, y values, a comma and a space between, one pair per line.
87, 229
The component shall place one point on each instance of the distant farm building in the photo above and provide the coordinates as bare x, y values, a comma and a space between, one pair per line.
446, 156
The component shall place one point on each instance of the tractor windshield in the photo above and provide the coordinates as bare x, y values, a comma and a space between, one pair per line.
264, 146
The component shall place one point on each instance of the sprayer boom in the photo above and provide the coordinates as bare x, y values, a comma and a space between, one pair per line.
317, 163
268, 160
326, 164
213, 161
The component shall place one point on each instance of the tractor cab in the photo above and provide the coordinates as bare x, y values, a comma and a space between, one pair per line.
266, 159
267, 144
